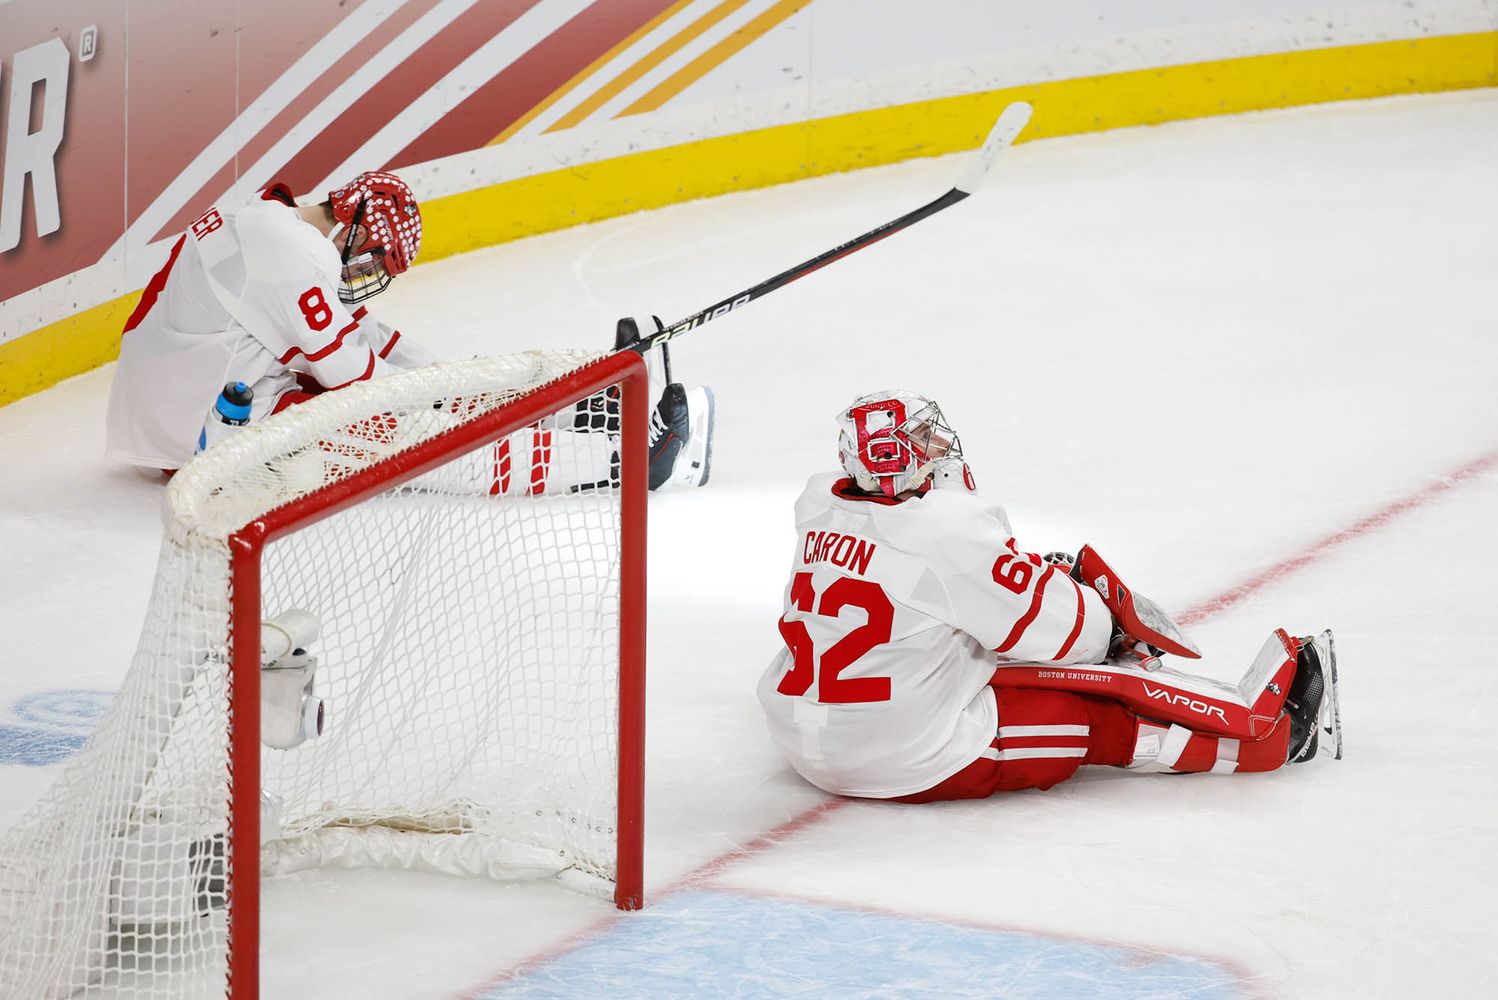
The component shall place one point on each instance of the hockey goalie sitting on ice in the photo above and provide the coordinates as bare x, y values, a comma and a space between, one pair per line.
927, 656
258, 308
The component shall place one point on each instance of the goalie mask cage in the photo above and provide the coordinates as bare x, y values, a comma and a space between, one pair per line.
470, 538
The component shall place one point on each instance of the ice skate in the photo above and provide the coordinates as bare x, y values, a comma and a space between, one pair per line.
681, 437
681, 427
1312, 701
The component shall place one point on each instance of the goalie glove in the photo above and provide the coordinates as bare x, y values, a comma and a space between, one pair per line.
1124, 649
1135, 616
1064, 561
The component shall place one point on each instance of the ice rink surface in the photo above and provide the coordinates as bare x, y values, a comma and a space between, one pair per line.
1251, 359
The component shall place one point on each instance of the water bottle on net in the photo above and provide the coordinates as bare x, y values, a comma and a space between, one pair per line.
230, 412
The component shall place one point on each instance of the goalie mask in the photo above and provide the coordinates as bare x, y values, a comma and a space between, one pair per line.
891, 442
379, 226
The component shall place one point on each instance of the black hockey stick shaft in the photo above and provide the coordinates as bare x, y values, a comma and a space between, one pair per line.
1001, 136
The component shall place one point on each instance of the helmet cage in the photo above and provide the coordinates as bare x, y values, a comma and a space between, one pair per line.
364, 272
381, 224
896, 441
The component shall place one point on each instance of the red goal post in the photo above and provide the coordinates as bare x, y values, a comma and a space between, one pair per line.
471, 540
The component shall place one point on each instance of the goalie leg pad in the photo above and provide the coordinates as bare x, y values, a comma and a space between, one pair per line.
1246, 711
1162, 747
1045, 735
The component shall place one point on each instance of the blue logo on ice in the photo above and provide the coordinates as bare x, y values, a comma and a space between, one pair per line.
49, 726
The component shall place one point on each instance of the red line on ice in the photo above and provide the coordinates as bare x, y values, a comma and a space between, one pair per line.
710, 869
1311, 552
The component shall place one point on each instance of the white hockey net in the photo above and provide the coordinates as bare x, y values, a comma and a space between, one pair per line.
468, 660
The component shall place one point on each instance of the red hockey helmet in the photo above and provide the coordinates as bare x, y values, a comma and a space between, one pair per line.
891, 442
381, 224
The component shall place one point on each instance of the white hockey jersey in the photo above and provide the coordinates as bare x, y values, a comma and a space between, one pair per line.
895, 618
248, 294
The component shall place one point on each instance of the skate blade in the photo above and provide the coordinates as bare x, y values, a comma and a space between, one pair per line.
1331, 708
695, 464
707, 450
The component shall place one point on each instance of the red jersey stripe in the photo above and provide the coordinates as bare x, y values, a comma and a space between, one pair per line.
394, 336
153, 290
367, 373
323, 352
1029, 616
1076, 629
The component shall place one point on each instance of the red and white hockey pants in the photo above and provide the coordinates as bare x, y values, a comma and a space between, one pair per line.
1044, 736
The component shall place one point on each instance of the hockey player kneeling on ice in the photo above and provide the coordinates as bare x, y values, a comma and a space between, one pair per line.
927, 656
258, 309
267, 294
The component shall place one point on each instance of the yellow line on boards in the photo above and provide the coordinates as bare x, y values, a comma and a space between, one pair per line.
60, 350
713, 57
589, 70
663, 52
591, 191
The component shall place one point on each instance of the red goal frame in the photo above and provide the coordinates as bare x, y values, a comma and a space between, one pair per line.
625, 369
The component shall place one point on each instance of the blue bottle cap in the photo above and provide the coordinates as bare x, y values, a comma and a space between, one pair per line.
234, 402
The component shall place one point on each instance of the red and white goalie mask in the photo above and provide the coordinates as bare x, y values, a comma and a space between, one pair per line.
892, 442
378, 232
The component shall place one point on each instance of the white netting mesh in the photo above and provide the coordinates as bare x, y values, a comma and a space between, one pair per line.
467, 659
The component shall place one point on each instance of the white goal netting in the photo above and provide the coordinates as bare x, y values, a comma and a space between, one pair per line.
466, 679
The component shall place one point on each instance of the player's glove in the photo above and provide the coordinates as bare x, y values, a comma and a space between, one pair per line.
1125, 649
1064, 561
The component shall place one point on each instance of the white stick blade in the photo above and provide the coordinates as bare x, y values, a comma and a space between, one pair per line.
1000, 137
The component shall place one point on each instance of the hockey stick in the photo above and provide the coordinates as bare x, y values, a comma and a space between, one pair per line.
1000, 137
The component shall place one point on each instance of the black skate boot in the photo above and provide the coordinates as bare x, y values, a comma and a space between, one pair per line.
681, 428
670, 430
1303, 703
